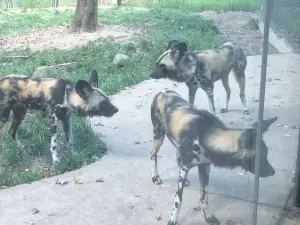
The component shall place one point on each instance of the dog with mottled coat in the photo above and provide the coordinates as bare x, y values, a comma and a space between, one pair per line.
202, 69
201, 139
59, 98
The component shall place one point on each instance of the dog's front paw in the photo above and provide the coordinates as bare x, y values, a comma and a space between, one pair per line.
156, 180
223, 110
246, 111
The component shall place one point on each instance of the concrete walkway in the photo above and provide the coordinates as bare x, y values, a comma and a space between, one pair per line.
128, 197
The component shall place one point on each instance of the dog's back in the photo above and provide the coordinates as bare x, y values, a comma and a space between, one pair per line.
223, 58
181, 119
32, 93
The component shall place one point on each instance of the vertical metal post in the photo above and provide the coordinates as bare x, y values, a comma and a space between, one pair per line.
261, 105
297, 175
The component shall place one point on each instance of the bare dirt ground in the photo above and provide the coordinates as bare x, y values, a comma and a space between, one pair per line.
233, 27
58, 37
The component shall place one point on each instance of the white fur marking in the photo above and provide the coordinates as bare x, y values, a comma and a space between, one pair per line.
18, 143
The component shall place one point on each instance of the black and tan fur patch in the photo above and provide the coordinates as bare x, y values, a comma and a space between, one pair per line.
59, 98
202, 69
201, 139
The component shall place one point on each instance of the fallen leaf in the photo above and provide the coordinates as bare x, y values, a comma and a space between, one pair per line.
150, 208
287, 135
100, 180
50, 214
115, 127
3, 187
196, 209
158, 218
277, 79
294, 127
78, 181
34, 211
138, 196
131, 207
137, 142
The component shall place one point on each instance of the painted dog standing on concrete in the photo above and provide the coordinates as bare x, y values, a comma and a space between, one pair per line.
202, 69
59, 97
202, 139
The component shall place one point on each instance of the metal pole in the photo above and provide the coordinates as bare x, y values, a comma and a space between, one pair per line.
297, 175
261, 106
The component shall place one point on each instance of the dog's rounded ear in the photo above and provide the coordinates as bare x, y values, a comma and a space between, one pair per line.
83, 89
178, 51
172, 44
182, 47
94, 81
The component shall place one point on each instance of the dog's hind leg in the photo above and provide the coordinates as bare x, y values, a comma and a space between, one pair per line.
67, 126
211, 101
204, 171
54, 144
228, 92
18, 116
192, 93
157, 141
239, 72
158, 138
4, 115
178, 197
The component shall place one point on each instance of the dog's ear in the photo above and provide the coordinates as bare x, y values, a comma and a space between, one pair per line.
247, 139
83, 89
94, 81
178, 50
265, 124
172, 44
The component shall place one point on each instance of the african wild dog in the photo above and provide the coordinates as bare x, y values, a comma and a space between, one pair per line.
58, 97
202, 139
202, 69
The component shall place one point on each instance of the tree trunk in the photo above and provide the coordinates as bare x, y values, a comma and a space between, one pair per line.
55, 3
85, 18
8, 4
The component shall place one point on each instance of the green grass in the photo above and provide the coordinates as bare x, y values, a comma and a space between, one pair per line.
198, 5
15, 23
162, 25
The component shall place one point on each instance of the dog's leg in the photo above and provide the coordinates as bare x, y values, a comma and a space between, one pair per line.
67, 126
239, 71
178, 197
54, 144
228, 92
18, 116
241, 82
211, 101
158, 139
204, 171
4, 115
178, 160
192, 93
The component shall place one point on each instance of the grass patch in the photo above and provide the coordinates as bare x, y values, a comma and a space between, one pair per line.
161, 26
12, 23
197, 5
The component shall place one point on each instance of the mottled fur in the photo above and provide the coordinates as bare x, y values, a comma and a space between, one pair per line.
59, 98
201, 139
202, 69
